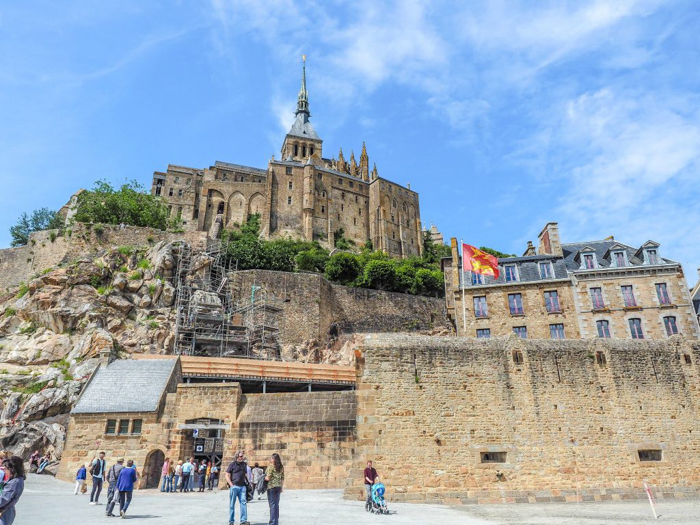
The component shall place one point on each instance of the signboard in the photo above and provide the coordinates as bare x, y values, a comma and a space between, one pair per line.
195, 432
199, 444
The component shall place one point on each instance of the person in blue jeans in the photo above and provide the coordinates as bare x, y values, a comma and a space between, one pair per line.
98, 470
125, 485
237, 478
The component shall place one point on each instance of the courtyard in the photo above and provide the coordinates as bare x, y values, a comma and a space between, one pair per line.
51, 502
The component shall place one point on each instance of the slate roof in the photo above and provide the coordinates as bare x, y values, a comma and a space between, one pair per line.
126, 385
257, 171
303, 128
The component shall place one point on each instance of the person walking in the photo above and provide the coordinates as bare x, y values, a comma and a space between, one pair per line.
186, 470
165, 474
112, 492
12, 490
177, 474
193, 474
258, 479
125, 485
213, 476
369, 476
98, 472
80, 478
202, 475
275, 479
237, 479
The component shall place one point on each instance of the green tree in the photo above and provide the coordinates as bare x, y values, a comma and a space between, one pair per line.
429, 282
380, 275
343, 268
130, 204
313, 260
39, 220
433, 252
496, 253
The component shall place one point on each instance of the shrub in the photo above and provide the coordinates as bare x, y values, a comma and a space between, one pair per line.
52, 236
135, 276
23, 289
95, 281
313, 260
29, 329
153, 325
124, 268
151, 289
104, 290
144, 264
343, 268
126, 250
429, 282
380, 275
9, 312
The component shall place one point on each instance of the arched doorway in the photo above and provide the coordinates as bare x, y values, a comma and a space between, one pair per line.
151, 472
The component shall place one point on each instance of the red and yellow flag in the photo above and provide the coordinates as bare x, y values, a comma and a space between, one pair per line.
478, 261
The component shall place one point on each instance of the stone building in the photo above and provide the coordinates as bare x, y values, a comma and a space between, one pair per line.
603, 289
302, 195
695, 294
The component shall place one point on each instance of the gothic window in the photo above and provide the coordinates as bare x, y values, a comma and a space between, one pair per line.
393, 203
303, 151
296, 150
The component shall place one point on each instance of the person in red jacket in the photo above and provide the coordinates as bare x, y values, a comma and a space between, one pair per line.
370, 477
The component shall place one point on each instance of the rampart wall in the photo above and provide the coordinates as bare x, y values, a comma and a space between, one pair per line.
19, 264
316, 308
565, 424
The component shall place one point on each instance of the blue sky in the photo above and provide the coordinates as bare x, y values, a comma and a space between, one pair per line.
502, 115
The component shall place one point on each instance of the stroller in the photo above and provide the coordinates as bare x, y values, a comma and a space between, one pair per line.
378, 501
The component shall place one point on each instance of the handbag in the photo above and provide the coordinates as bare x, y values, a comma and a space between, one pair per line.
83, 488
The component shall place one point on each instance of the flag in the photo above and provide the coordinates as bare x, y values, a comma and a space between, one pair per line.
478, 261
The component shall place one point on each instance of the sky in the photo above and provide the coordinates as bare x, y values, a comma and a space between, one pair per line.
502, 115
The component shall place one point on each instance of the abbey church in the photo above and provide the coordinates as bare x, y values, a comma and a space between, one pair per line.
303, 195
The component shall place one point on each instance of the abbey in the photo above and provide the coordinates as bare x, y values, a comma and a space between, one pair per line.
303, 195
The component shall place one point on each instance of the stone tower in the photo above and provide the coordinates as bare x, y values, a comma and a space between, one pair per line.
302, 141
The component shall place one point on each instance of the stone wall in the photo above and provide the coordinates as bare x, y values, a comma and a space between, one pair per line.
313, 307
567, 418
20, 264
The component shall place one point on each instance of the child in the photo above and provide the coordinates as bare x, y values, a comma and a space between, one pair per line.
80, 478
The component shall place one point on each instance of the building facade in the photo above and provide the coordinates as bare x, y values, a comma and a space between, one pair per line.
603, 289
302, 195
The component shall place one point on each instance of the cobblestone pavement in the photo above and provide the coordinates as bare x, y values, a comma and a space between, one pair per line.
48, 501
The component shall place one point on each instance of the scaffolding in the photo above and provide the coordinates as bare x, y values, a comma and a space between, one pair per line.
209, 322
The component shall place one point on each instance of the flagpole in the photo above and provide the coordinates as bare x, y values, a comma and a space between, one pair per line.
464, 285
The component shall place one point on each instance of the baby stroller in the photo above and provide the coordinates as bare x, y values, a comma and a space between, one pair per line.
378, 501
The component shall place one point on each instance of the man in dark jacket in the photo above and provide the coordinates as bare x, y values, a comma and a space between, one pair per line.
370, 476
98, 472
112, 492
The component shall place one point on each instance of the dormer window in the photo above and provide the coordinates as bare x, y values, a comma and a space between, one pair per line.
546, 271
511, 272
588, 261
651, 256
619, 259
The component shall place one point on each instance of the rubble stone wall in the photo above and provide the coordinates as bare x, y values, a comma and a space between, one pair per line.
566, 424
313, 306
21, 263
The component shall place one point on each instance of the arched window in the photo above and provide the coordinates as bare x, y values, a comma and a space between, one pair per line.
296, 150
303, 150
393, 204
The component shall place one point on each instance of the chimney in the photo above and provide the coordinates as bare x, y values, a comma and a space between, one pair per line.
530, 249
408, 185
549, 240
106, 355
455, 262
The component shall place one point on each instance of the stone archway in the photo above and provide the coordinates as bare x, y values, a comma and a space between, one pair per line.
152, 469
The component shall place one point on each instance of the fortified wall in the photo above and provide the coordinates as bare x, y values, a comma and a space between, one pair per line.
317, 308
49, 248
510, 420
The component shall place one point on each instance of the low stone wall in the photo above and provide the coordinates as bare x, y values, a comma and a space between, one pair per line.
315, 308
314, 433
563, 419
20, 264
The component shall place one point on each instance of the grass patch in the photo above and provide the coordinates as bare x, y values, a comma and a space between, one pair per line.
29, 329
52, 236
45, 271
126, 250
24, 372
154, 324
124, 268
64, 366
104, 290
23, 289
9, 312
95, 281
144, 264
135, 276
31, 389
151, 289
4, 371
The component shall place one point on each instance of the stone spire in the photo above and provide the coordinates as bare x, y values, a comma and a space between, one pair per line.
303, 99
341, 161
353, 164
375, 173
364, 164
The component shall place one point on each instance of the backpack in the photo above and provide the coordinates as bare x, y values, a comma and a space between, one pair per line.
96, 467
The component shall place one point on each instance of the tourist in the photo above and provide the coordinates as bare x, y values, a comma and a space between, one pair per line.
165, 474
213, 476
369, 475
237, 479
208, 474
34, 460
98, 472
249, 487
186, 470
12, 490
177, 474
275, 479
258, 480
80, 478
4, 475
112, 492
171, 472
43, 463
125, 485
193, 474
202, 475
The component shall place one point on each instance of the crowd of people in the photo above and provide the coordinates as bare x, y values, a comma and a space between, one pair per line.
189, 475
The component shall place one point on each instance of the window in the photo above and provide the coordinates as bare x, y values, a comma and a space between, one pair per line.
111, 426
296, 150
351, 185
662, 293
323, 194
179, 193
515, 301
170, 192
670, 324
123, 427
290, 184
477, 278
483, 333
392, 218
289, 200
652, 257
588, 261
323, 209
649, 455
342, 195
520, 331
546, 270
340, 181
551, 301
189, 181
511, 273
136, 425
600, 358
480, 307
311, 150
636, 329
517, 357
628, 296
360, 210
619, 258
342, 207
556, 331
603, 327
177, 180
493, 457
687, 359
393, 203
303, 151
320, 176
597, 298
179, 212
356, 199
354, 221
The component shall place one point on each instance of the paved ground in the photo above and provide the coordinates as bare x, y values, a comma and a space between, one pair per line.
47, 501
